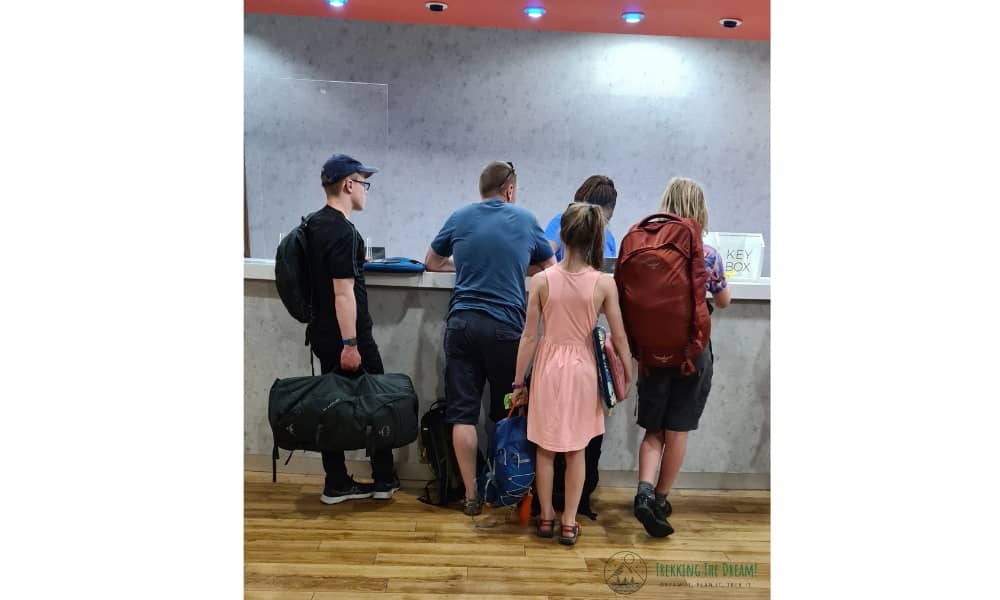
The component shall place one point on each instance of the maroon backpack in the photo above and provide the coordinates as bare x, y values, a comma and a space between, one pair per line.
661, 278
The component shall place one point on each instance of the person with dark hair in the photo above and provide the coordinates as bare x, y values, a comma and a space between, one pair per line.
596, 189
495, 244
341, 331
565, 410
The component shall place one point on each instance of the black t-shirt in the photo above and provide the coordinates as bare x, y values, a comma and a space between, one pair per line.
337, 251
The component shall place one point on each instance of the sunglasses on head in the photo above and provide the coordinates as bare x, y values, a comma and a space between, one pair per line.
509, 175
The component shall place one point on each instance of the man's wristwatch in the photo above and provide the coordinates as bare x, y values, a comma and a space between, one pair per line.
350, 341
516, 386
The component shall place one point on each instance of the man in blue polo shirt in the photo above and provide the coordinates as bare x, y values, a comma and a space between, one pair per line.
599, 190
493, 243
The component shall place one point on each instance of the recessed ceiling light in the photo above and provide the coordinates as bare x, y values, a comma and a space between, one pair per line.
535, 12
633, 16
730, 23
337, 3
436, 6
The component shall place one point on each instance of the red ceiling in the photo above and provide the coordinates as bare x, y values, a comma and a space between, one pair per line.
690, 18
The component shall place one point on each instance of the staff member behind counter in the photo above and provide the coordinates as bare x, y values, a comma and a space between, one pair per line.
599, 190
493, 242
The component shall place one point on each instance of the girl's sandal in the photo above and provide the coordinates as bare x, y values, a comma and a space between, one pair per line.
545, 528
569, 540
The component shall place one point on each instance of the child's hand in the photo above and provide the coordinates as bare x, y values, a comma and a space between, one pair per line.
518, 397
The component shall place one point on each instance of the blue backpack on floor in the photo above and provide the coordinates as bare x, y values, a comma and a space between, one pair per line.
510, 465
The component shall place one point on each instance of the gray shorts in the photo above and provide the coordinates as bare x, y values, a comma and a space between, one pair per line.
669, 400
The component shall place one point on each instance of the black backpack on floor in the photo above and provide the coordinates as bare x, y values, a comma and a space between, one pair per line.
438, 450
592, 455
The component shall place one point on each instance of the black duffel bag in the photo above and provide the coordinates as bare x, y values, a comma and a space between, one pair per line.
334, 412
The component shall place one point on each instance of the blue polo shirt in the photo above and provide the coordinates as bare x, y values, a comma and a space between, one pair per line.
552, 233
493, 243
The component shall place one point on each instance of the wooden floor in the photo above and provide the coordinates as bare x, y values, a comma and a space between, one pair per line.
299, 549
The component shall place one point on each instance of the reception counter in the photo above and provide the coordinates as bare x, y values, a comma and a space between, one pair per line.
263, 269
730, 450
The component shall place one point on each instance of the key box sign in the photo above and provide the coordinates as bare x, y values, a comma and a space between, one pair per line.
742, 254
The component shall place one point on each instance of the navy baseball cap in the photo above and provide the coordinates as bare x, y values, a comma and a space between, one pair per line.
339, 166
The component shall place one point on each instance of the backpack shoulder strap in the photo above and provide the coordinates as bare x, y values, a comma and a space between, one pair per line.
697, 295
312, 301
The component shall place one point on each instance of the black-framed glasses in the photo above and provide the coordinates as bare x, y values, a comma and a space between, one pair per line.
367, 184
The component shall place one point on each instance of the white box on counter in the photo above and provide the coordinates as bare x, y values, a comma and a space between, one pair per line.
742, 254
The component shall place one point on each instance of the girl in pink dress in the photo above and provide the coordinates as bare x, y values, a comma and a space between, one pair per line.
565, 410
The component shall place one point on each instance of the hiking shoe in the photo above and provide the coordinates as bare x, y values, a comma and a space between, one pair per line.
384, 491
472, 506
663, 511
351, 491
644, 509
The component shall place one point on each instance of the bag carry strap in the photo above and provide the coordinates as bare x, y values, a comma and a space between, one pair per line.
312, 364
513, 408
696, 262
657, 218
274, 464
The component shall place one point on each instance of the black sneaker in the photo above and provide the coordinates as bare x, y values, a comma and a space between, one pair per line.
352, 491
384, 491
663, 511
644, 509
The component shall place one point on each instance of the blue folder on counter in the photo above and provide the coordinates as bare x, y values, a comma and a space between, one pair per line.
396, 264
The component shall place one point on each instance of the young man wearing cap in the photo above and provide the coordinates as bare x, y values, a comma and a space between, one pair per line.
341, 331
493, 243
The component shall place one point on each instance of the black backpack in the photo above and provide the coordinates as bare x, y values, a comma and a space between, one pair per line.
438, 450
291, 272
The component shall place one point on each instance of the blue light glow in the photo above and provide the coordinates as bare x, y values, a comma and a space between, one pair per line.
338, 3
535, 12
633, 17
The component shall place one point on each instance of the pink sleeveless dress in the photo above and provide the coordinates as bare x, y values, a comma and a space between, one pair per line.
564, 406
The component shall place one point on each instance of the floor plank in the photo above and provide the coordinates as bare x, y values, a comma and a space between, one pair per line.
487, 559
252, 595
345, 523
336, 569
310, 556
276, 583
435, 549
408, 596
